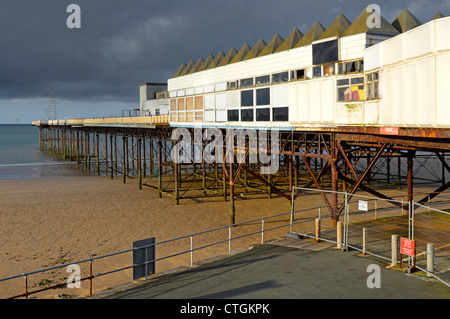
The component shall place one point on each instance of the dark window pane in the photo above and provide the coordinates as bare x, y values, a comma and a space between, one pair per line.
233, 115
342, 82
263, 114
247, 115
280, 77
263, 97
261, 80
280, 114
357, 80
247, 98
325, 52
317, 72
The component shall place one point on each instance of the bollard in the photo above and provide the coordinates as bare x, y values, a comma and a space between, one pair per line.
364, 240
430, 259
339, 235
394, 250
317, 230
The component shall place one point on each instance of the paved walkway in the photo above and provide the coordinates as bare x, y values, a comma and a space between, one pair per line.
288, 269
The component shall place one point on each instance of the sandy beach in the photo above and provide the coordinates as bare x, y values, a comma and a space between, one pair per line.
50, 221
46, 222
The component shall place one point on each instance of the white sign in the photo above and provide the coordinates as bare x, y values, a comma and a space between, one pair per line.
362, 205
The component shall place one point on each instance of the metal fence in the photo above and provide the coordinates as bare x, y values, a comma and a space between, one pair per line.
365, 223
374, 226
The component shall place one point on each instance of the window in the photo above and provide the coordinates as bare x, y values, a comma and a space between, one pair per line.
350, 67
317, 71
298, 75
263, 96
246, 83
247, 115
372, 86
247, 98
350, 89
328, 69
262, 80
325, 52
280, 114
263, 115
280, 77
232, 85
233, 115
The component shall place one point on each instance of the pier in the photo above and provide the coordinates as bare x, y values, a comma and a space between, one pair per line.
337, 158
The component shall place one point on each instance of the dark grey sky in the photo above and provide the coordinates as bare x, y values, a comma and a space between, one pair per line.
96, 70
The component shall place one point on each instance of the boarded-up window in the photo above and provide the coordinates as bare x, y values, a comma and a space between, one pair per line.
181, 106
173, 104
190, 103
199, 102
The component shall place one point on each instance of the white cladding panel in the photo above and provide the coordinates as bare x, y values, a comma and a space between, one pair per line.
280, 95
419, 41
442, 34
221, 101
352, 47
221, 115
372, 57
209, 102
233, 99
328, 99
442, 90
392, 50
210, 116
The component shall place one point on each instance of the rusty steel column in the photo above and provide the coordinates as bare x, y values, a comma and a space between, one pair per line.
111, 156
124, 173
409, 165
232, 207
334, 195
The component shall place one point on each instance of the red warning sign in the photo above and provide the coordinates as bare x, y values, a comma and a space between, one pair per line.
407, 247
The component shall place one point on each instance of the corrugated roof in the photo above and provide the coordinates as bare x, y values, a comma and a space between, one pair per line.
272, 45
360, 25
406, 21
196, 66
337, 28
312, 35
290, 41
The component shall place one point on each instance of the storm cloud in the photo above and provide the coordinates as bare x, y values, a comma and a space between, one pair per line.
122, 44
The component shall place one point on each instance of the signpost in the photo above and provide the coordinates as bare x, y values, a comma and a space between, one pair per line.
408, 247
143, 258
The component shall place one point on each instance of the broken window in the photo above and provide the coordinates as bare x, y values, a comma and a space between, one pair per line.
372, 85
246, 82
351, 67
298, 75
349, 90
328, 69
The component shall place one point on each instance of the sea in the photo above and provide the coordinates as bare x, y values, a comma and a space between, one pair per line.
20, 156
